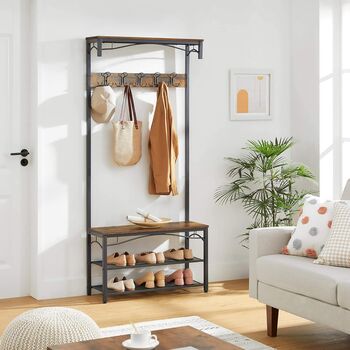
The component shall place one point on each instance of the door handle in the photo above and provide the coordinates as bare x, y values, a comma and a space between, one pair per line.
24, 153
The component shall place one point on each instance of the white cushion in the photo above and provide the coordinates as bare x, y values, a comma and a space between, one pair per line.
313, 228
299, 275
336, 251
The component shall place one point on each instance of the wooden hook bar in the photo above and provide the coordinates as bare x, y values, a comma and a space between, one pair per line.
139, 79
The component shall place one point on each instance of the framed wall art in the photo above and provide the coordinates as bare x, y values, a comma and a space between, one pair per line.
250, 95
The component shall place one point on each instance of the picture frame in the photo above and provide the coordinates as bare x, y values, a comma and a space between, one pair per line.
250, 94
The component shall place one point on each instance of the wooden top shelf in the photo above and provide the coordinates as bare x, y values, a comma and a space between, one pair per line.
143, 40
133, 230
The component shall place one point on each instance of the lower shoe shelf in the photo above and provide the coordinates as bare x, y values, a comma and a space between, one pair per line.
169, 286
166, 263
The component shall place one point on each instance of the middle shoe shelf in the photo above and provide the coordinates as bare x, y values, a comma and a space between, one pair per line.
140, 265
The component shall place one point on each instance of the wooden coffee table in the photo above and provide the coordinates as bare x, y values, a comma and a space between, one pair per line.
168, 339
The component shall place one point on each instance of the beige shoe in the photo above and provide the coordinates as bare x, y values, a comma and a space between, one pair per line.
116, 259
177, 277
130, 259
160, 258
188, 276
115, 284
174, 254
147, 279
160, 279
187, 253
147, 257
128, 283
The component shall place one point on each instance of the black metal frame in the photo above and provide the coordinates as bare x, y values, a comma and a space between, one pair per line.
188, 46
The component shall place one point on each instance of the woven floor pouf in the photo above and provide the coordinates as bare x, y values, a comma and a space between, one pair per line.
39, 328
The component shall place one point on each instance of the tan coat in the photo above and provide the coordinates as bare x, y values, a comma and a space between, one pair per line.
163, 147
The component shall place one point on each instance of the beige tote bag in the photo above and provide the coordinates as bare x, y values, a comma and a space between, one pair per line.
127, 133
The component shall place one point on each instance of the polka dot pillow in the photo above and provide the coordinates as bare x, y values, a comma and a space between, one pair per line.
312, 229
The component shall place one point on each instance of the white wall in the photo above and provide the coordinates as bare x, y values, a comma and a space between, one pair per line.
238, 34
305, 82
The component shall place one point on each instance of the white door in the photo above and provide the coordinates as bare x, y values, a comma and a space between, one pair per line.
14, 232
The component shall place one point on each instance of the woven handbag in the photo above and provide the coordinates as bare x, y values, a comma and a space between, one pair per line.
127, 133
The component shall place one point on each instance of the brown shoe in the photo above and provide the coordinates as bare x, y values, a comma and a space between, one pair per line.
187, 253
160, 279
174, 254
177, 277
160, 258
116, 259
147, 257
147, 279
130, 259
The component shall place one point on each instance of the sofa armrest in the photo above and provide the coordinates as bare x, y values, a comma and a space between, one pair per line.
265, 241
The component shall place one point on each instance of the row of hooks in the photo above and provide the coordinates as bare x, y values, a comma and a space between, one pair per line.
139, 79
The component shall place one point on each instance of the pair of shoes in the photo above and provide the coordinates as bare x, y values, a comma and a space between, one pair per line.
180, 277
179, 254
121, 286
150, 258
124, 259
150, 279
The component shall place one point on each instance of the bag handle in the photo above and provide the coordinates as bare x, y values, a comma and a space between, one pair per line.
132, 111
123, 108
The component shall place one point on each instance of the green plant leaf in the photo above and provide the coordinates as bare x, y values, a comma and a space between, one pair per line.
263, 180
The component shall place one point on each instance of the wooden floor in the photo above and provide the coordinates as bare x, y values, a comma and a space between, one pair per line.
227, 304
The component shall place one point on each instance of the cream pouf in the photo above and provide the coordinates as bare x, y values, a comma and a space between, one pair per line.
39, 328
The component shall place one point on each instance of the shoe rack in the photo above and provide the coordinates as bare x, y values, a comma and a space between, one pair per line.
104, 236
189, 230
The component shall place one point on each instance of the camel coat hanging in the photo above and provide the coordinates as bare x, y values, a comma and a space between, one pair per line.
163, 147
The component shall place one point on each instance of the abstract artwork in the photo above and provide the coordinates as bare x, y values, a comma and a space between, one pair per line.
250, 95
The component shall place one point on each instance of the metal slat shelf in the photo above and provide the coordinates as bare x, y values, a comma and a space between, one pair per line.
142, 289
141, 265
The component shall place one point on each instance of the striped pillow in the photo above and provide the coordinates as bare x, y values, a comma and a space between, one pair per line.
336, 251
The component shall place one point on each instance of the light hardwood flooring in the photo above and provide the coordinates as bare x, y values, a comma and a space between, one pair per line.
227, 304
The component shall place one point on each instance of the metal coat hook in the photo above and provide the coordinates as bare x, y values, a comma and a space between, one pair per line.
105, 78
172, 76
122, 78
155, 78
139, 79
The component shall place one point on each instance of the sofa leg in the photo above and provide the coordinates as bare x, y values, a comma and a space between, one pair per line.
272, 321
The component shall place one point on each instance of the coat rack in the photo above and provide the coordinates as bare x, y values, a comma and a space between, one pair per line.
186, 229
141, 79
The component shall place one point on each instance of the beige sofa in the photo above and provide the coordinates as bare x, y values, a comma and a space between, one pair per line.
294, 284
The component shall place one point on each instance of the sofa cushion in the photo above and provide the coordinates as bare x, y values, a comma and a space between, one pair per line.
336, 251
313, 228
344, 294
299, 275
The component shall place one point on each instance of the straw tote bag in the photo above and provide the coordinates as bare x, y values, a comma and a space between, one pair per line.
127, 133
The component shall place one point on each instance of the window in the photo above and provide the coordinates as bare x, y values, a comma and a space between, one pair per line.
334, 96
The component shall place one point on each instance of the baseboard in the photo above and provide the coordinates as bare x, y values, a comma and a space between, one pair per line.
226, 271
60, 288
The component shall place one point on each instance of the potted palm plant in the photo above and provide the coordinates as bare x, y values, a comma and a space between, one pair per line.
264, 182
